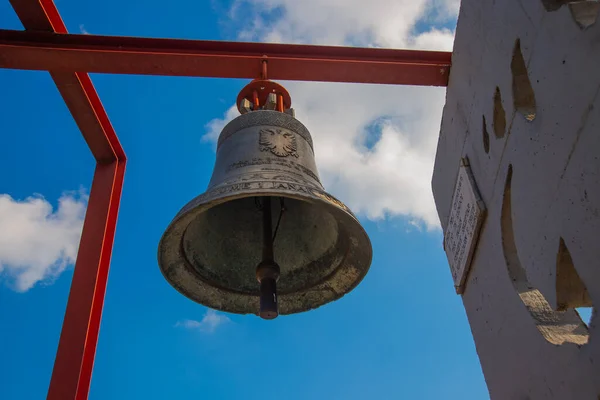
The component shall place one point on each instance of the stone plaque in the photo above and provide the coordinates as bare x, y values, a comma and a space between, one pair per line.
466, 216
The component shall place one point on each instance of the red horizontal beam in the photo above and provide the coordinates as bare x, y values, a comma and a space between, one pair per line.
147, 56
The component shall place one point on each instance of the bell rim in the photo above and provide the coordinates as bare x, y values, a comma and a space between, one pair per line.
360, 246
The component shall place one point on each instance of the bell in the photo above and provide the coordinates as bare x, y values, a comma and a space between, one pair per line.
265, 238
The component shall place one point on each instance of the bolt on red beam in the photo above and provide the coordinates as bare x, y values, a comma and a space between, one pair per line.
176, 57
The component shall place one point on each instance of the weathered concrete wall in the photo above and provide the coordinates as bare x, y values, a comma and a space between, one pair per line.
523, 105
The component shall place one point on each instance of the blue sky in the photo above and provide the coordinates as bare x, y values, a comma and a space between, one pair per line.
402, 333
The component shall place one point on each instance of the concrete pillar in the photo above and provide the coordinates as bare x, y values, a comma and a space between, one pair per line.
523, 110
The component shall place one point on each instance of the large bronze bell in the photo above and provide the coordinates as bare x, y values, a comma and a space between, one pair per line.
265, 238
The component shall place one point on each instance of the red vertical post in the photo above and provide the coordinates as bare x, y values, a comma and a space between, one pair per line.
72, 372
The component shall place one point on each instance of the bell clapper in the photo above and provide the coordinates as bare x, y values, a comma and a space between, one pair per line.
267, 272
282, 209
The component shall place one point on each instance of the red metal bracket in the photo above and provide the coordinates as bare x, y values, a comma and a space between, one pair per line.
46, 45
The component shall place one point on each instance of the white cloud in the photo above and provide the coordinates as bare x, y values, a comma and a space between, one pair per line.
433, 39
83, 30
209, 323
374, 144
214, 127
37, 243
385, 23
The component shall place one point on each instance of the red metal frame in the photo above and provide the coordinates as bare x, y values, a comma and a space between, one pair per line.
46, 45
176, 57
72, 372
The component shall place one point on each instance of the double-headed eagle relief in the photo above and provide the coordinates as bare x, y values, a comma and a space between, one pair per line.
279, 142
